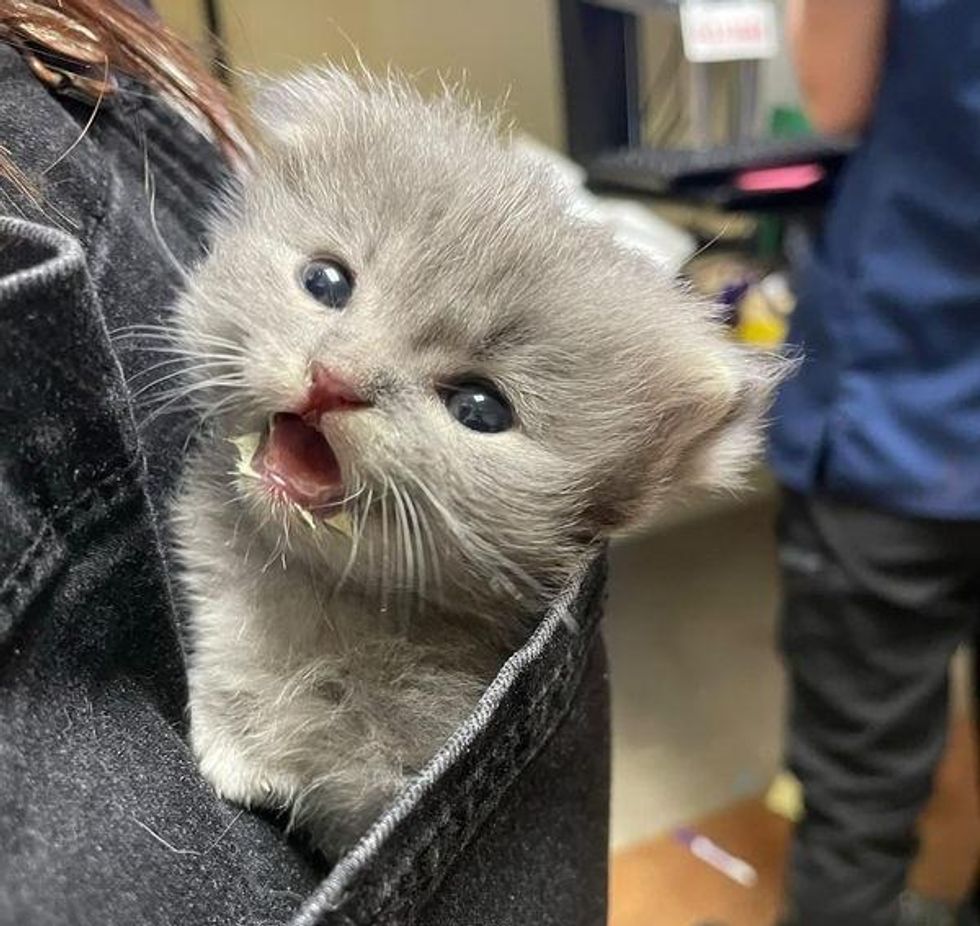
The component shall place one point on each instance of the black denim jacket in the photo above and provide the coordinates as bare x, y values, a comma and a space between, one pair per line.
103, 818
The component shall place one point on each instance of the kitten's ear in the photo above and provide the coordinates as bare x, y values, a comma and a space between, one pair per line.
707, 435
726, 422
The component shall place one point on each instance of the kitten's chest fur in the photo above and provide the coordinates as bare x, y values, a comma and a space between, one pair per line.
308, 700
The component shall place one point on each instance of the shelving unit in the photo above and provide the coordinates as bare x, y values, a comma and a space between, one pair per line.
601, 52
601, 58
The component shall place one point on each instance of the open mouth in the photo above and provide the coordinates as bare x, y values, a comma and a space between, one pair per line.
296, 463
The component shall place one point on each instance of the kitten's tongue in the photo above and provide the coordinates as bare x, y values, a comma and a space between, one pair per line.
298, 460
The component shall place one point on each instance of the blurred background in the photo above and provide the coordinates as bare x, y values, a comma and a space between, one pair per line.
688, 137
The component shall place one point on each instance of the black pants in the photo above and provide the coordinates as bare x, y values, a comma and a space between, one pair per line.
874, 607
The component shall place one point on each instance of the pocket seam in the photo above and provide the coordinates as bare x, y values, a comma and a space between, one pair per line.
523, 743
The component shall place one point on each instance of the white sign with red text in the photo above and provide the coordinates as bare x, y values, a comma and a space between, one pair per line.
728, 30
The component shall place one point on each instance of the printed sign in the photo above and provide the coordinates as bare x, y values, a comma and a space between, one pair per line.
728, 30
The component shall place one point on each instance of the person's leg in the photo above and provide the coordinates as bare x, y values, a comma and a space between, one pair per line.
970, 915
874, 607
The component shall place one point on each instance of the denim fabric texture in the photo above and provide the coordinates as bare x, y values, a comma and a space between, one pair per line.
103, 818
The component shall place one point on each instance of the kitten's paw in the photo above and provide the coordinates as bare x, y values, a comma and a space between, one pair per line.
238, 781
239, 778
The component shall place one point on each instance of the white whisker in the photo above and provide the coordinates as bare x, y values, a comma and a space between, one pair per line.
182, 373
171, 335
419, 552
355, 539
406, 556
481, 550
151, 195
385, 560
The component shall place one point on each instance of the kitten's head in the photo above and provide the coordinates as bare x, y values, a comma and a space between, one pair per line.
413, 326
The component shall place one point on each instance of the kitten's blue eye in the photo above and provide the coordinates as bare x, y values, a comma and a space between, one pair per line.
478, 407
328, 281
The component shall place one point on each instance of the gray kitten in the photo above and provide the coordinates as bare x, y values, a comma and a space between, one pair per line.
432, 391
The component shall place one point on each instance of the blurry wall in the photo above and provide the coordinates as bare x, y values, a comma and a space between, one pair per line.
779, 86
504, 48
186, 16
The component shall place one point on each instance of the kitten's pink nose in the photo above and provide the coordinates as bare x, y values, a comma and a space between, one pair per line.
329, 392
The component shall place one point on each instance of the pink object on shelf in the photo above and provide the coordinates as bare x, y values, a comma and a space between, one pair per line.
780, 179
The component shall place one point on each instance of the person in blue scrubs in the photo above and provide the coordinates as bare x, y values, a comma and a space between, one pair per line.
876, 442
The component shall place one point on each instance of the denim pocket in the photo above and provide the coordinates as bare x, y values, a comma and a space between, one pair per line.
62, 444
392, 873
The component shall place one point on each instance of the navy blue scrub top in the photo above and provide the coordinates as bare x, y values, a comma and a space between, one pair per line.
885, 409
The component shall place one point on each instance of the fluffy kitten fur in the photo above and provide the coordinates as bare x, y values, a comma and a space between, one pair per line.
326, 670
